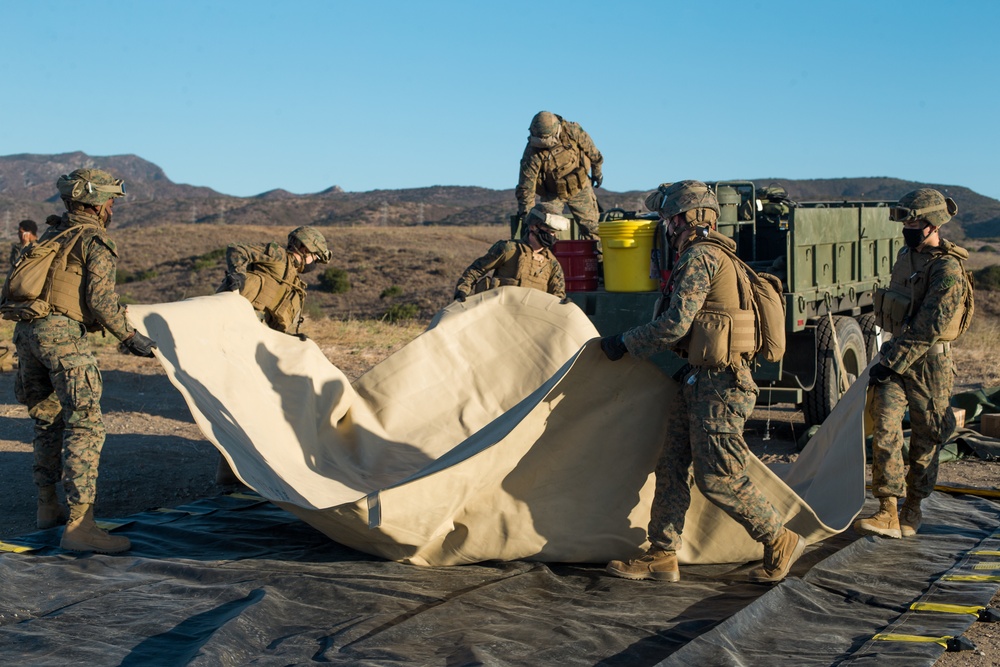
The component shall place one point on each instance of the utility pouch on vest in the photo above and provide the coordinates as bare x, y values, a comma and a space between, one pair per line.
25, 294
891, 309
709, 341
570, 184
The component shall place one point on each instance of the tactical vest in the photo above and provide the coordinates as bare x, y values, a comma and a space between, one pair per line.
724, 331
275, 290
895, 305
562, 174
67, 294
521, 273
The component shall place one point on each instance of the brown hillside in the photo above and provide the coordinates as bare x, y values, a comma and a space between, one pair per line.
27, 190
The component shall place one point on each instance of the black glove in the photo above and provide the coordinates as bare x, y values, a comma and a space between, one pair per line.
564, 300
302, 337
682, 372
137, 344
585, 233
234, 282
596, 178
879, 374
460, 296
613, 347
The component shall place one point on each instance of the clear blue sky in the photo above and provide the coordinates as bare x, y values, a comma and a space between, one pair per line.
248, 96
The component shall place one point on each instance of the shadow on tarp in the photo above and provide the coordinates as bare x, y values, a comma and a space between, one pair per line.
233, 580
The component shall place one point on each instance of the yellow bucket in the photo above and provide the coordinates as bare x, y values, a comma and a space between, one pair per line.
627, 246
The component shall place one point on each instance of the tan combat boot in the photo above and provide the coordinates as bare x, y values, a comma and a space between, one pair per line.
910, 517
82, 534
779, 556
885, 522
654, 564
51, 512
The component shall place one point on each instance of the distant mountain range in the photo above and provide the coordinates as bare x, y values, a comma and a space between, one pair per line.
27, 190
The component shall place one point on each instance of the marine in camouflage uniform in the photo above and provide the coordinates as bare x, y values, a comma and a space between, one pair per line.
27, 231
528, 262
554, 166
58, 379
268, 276
718, 394
929, 288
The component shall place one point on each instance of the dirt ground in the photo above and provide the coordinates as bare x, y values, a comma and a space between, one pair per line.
155, 456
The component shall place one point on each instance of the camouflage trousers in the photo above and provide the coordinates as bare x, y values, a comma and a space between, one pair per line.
706, 441
583, 206
59, 382
924, 388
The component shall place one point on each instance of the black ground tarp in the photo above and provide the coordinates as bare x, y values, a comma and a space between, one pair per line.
234, 580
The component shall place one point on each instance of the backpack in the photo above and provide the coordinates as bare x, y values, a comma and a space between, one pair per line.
769, 305
25, 293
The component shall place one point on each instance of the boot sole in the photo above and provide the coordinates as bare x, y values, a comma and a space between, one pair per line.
670, 576
877, 532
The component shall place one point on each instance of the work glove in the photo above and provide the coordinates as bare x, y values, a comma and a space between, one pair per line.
682, 372
137, 344
564, 300
596, 177
302, 337
234, 282
613, 347
585, 233
460, 296
879, 374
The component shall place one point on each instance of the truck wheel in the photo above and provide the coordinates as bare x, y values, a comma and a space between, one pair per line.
870, 332
819, 402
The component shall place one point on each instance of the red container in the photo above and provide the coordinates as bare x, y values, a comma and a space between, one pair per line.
579, 263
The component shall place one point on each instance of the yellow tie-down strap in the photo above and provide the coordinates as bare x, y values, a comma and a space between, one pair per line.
990, 565
989, 578
890, 637
984, 553
11, 547
947, 608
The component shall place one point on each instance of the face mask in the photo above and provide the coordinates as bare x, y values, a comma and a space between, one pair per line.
913, 237
547, 239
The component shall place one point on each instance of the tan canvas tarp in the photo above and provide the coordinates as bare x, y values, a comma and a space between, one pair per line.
502, 432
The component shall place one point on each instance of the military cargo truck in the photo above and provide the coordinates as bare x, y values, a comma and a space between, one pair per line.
830, 257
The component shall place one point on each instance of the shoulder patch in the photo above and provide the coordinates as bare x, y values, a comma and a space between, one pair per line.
948, 282
105, 241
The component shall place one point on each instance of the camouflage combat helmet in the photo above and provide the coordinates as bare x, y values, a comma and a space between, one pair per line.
545, 128
670, 199
924, 204
545, 214
92, 187
312, 241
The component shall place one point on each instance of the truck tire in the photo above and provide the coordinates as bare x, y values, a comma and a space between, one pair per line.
870, 331
819, 402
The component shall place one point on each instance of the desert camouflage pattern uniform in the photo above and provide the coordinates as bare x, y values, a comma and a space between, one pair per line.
717, 403
58, 379
514, 263
271, 262
923, 383
583, 205
15, 252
